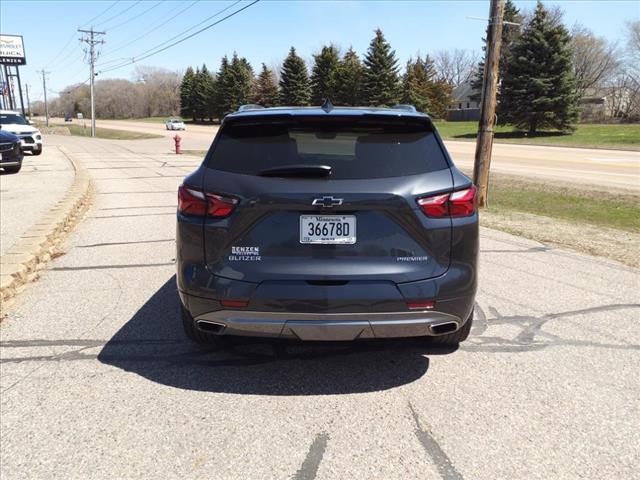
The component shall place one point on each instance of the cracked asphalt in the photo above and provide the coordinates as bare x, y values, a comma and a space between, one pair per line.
98, 381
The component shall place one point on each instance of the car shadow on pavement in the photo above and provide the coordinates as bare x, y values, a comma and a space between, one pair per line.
153, 345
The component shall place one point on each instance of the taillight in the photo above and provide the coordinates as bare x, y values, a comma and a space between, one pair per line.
191, 202
219, 206
196, 203
460, 203
463, 202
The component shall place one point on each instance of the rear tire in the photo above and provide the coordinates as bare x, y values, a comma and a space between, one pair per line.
11, 170
194, 333
457, 337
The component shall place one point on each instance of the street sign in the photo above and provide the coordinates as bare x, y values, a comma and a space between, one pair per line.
12, 50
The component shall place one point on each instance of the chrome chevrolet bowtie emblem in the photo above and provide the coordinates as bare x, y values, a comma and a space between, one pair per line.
326, 202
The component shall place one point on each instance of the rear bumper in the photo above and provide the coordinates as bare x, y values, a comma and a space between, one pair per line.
328, 326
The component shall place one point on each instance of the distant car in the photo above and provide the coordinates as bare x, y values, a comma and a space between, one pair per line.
10, 152
30, 137
68, 118
174, 124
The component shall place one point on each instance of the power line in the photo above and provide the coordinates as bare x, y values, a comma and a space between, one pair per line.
153, 29
73, 35
187, 30
142, 57
119, 14
134, 17
100, 14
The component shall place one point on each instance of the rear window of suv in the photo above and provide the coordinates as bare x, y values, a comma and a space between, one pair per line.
353, 150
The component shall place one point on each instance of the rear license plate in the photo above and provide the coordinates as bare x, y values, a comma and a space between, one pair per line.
328, 229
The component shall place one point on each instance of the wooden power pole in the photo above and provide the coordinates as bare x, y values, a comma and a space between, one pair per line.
488, 103
92, 40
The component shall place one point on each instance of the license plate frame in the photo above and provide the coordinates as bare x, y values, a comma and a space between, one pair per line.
331, 238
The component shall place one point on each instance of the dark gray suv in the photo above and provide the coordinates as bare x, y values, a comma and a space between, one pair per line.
327, 224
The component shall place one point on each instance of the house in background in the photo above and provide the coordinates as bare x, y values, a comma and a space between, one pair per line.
465, 103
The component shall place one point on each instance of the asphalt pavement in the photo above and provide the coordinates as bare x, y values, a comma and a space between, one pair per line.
98, 381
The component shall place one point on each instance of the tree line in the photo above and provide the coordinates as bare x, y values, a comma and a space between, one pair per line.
547, 74
344, 80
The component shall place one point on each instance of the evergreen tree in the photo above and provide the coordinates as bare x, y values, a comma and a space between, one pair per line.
421, 90
380, 86
348, 80
538, 89
416, 85
222, 104
266, 89
202, 92
295, 89
323, 79
242, 84
510, 34
186, 94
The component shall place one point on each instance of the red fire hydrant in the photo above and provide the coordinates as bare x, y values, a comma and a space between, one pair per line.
177, 139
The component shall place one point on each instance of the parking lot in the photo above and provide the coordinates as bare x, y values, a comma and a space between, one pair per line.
98, 381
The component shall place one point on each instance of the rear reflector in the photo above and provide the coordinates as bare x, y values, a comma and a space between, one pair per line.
422, 305
461, 203
196, 203
234, 303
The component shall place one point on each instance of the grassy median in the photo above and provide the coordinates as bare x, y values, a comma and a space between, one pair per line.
618, 136
109, 133
579, 205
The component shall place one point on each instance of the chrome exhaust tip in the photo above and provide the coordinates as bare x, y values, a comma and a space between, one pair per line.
443, 328
210, 327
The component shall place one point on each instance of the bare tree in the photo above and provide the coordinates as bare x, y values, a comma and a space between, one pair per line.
594, 59
455, 66
624, 85
161, 90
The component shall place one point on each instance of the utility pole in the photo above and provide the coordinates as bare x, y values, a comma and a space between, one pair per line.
28, 101
488, 102
44, 88
91, 40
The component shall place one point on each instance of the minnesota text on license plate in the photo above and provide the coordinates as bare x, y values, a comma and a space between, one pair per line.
327, 229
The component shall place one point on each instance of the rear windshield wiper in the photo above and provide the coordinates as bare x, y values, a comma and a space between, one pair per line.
297, 171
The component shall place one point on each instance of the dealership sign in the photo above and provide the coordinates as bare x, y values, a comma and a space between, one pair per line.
12, 50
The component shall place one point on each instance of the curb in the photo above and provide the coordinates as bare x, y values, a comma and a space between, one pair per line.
35, 247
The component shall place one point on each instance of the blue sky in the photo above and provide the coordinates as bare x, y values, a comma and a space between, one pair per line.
262, 33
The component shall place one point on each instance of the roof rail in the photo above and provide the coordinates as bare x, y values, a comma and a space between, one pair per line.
249, 106
404, 106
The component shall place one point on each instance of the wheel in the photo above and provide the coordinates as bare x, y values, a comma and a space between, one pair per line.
36, 151
454, 338
194, 334
10, 170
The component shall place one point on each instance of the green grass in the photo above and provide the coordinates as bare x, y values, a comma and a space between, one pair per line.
621, 136
581, 206
109, 133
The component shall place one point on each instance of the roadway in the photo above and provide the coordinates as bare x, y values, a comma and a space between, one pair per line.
98, 381
612, 169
